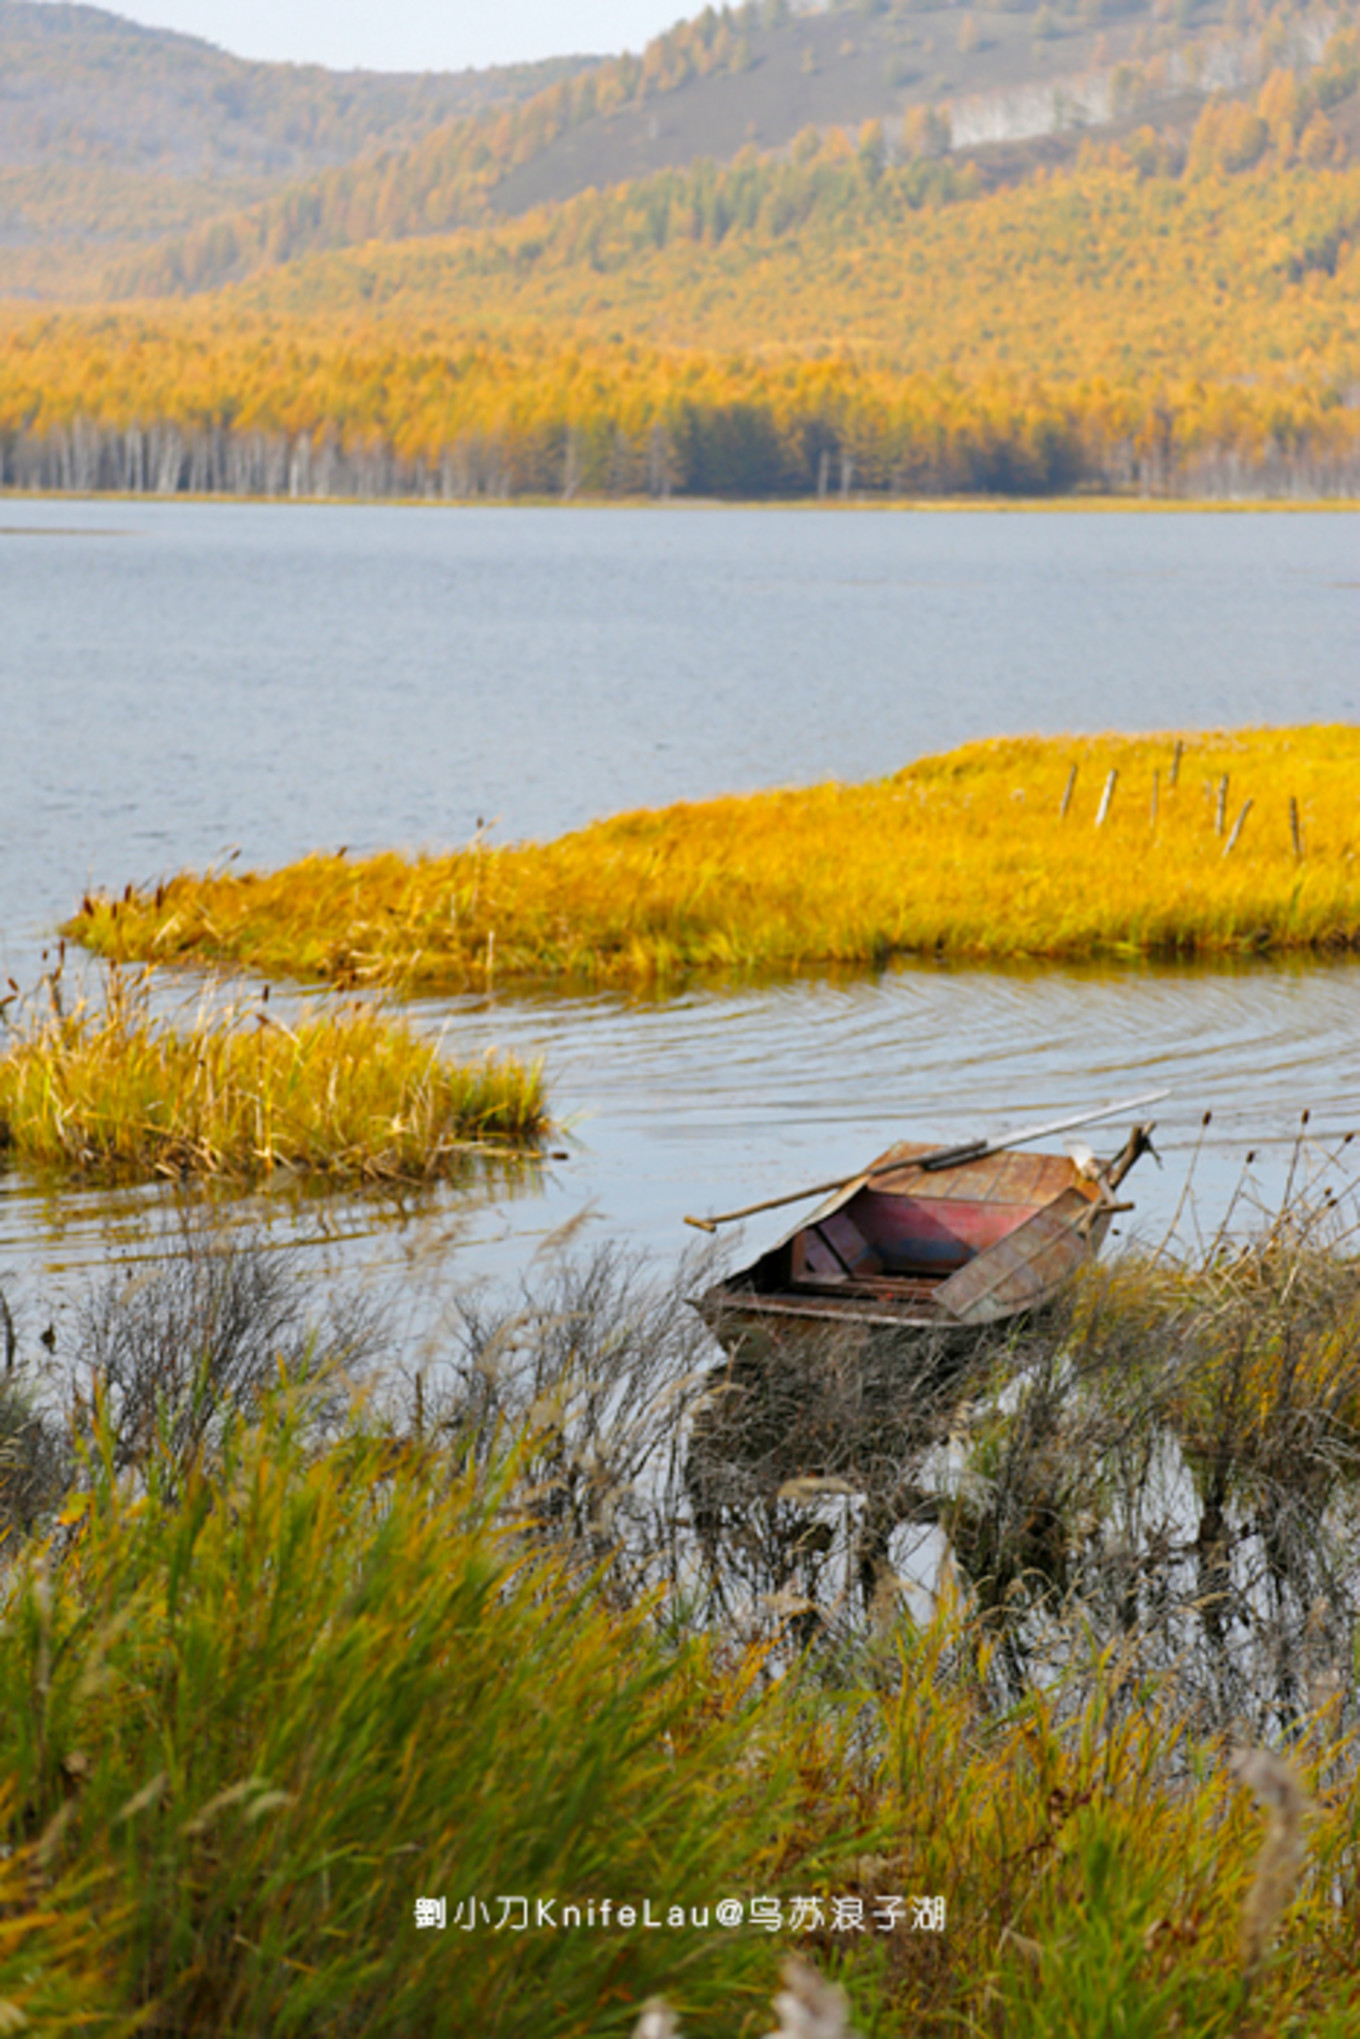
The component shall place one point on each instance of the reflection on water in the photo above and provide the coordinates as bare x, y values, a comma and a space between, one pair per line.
718, 1098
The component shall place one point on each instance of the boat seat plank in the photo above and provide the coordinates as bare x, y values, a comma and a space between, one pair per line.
883, 1287
834, 1246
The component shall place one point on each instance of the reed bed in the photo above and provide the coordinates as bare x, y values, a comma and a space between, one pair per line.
354, 1095
1062, 848
263, 1683
264, 1707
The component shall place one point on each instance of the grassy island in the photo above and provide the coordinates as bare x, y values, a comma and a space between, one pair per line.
1061, 848
356, 1096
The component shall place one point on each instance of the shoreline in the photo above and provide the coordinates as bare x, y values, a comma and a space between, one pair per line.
1103, 505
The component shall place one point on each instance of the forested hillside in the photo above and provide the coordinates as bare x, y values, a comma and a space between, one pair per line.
1124, 324
229, 166
1165, 306
1216, 258
112, 134
990, 84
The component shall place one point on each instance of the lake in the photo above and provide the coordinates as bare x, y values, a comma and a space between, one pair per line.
178, 680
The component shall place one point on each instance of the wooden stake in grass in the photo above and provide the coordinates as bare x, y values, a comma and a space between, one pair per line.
1066, 800
1295, 832
1107, 796
1173, 776
1221, 806
1238, 826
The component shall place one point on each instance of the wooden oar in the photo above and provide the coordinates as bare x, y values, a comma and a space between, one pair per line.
938, 1158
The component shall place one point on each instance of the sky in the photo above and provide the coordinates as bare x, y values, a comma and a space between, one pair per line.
411, 35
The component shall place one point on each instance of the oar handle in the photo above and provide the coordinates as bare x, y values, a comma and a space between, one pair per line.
942, 1157
951, 1157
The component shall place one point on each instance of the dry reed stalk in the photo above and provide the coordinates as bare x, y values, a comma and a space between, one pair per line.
1283, 1799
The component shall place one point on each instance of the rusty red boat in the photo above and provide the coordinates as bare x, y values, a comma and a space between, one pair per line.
952, 1242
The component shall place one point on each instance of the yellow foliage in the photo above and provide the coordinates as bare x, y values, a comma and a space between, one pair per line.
354, 1094
968, 854
825, 307
1281, 102
1319, 143
1228, 137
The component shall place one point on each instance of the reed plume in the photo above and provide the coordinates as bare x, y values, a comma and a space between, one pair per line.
810, 2007
1282, 1798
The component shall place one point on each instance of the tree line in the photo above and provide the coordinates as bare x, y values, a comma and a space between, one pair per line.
501, 422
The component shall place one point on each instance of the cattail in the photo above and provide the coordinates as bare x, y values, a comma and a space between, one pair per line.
1278, 1791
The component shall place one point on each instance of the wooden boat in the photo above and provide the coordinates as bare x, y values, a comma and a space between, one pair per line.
921, 1244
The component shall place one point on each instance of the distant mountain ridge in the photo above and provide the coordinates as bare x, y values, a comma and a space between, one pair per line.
1147, 279
212, 170
79, 83
923, 76
179, 131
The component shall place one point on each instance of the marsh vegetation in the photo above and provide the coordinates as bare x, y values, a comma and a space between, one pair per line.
115, 1092
1212, 844
295, 1635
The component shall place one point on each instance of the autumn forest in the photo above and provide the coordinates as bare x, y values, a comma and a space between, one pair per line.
1165, 301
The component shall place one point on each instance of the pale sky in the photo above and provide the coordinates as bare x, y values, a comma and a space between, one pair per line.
412, 35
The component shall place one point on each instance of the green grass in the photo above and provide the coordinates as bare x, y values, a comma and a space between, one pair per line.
256, 1707
267, 1679
270, 1702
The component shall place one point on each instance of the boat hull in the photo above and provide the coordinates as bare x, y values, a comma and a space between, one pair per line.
910, 1259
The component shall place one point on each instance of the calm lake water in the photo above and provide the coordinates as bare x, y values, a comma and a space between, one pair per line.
178, 679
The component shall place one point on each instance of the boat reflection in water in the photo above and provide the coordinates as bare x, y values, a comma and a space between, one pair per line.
852, 1342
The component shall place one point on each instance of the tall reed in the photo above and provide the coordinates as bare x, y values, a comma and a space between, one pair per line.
352, 1094
989, 851
266, 1681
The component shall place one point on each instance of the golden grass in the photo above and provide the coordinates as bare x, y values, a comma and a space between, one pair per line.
354, 1095
966, 855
